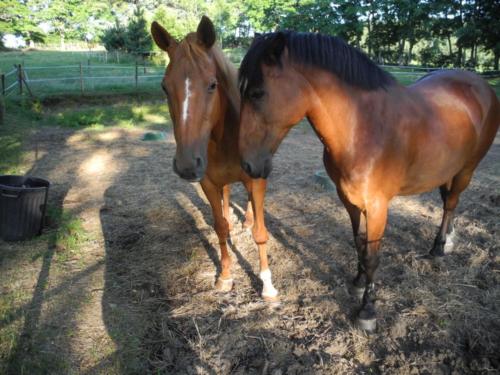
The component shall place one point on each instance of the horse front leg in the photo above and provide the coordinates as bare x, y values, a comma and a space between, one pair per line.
260, 235
358, 222
226, 193
376, 218
224, 281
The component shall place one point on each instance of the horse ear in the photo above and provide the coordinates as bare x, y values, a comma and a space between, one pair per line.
275, 48
206, 32
162, 38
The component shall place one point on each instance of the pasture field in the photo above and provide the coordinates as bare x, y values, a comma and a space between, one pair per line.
121, 281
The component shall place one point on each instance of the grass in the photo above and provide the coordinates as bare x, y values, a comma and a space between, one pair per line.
24, 116
67, 235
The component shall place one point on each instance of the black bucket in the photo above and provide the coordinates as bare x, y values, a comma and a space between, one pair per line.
23, 202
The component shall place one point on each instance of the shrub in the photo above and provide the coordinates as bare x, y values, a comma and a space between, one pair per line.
115, 37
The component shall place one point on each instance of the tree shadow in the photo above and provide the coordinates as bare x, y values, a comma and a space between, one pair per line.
36, 349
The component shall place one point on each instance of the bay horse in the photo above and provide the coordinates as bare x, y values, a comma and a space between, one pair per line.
201, 86
381, 139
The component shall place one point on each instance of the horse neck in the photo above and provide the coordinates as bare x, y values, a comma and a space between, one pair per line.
337, 114
227, 126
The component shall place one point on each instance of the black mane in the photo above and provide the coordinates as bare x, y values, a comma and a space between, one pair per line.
323, 51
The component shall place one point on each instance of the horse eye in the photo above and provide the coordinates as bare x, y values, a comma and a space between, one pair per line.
212, 86
256, 94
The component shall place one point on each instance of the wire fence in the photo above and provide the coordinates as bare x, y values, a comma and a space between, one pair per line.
81, 77
115, 77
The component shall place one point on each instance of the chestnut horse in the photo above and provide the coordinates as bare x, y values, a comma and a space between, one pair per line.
380, 139
204, 104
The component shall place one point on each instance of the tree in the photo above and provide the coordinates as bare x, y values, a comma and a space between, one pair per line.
489, 24
21, 18
138, 39
115, 37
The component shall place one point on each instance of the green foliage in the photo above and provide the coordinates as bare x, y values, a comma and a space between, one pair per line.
138, 38
453, 32
115, 38
133, 38
21, 18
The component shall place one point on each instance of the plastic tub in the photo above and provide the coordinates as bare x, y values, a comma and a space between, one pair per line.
23, 202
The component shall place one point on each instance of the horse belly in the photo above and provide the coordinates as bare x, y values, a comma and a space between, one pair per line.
434, 170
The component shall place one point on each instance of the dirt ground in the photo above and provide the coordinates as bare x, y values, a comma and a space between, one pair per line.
139, 298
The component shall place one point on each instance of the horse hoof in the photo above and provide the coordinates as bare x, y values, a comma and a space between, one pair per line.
224, 285
357, 291
450, 242
367, 325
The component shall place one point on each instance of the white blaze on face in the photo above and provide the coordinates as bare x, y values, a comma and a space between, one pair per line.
185, 103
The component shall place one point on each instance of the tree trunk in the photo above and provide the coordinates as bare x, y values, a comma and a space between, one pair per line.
497, 59
401, 51
369, 41
410, 51
449, 45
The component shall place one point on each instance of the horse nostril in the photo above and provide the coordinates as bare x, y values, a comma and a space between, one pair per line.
199, 162
246, 167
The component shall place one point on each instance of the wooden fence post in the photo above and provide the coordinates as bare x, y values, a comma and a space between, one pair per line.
136, 74
20, 78
81, 78
2, 110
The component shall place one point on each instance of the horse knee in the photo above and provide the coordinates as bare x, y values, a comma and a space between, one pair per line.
260, 235
222, 229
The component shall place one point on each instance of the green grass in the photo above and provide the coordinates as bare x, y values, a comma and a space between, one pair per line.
68, 234
24, 116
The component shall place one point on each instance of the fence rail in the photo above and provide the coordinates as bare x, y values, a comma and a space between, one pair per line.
87, 77
83, 77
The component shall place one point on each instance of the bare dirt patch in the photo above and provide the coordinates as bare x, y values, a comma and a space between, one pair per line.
139, 297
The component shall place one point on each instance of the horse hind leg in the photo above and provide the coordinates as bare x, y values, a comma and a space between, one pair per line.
249, 214
249, 218
450, 193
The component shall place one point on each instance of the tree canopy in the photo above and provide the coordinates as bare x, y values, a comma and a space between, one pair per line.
436, 32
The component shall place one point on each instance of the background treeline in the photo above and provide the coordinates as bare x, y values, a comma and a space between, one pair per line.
463, 33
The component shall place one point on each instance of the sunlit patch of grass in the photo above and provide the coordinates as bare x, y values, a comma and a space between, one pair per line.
127, 116
68, 236
19, 122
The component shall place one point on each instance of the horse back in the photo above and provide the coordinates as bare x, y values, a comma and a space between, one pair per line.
452, 119
461, 101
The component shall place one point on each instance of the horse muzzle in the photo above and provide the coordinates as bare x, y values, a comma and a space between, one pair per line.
192, 172
257, 169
